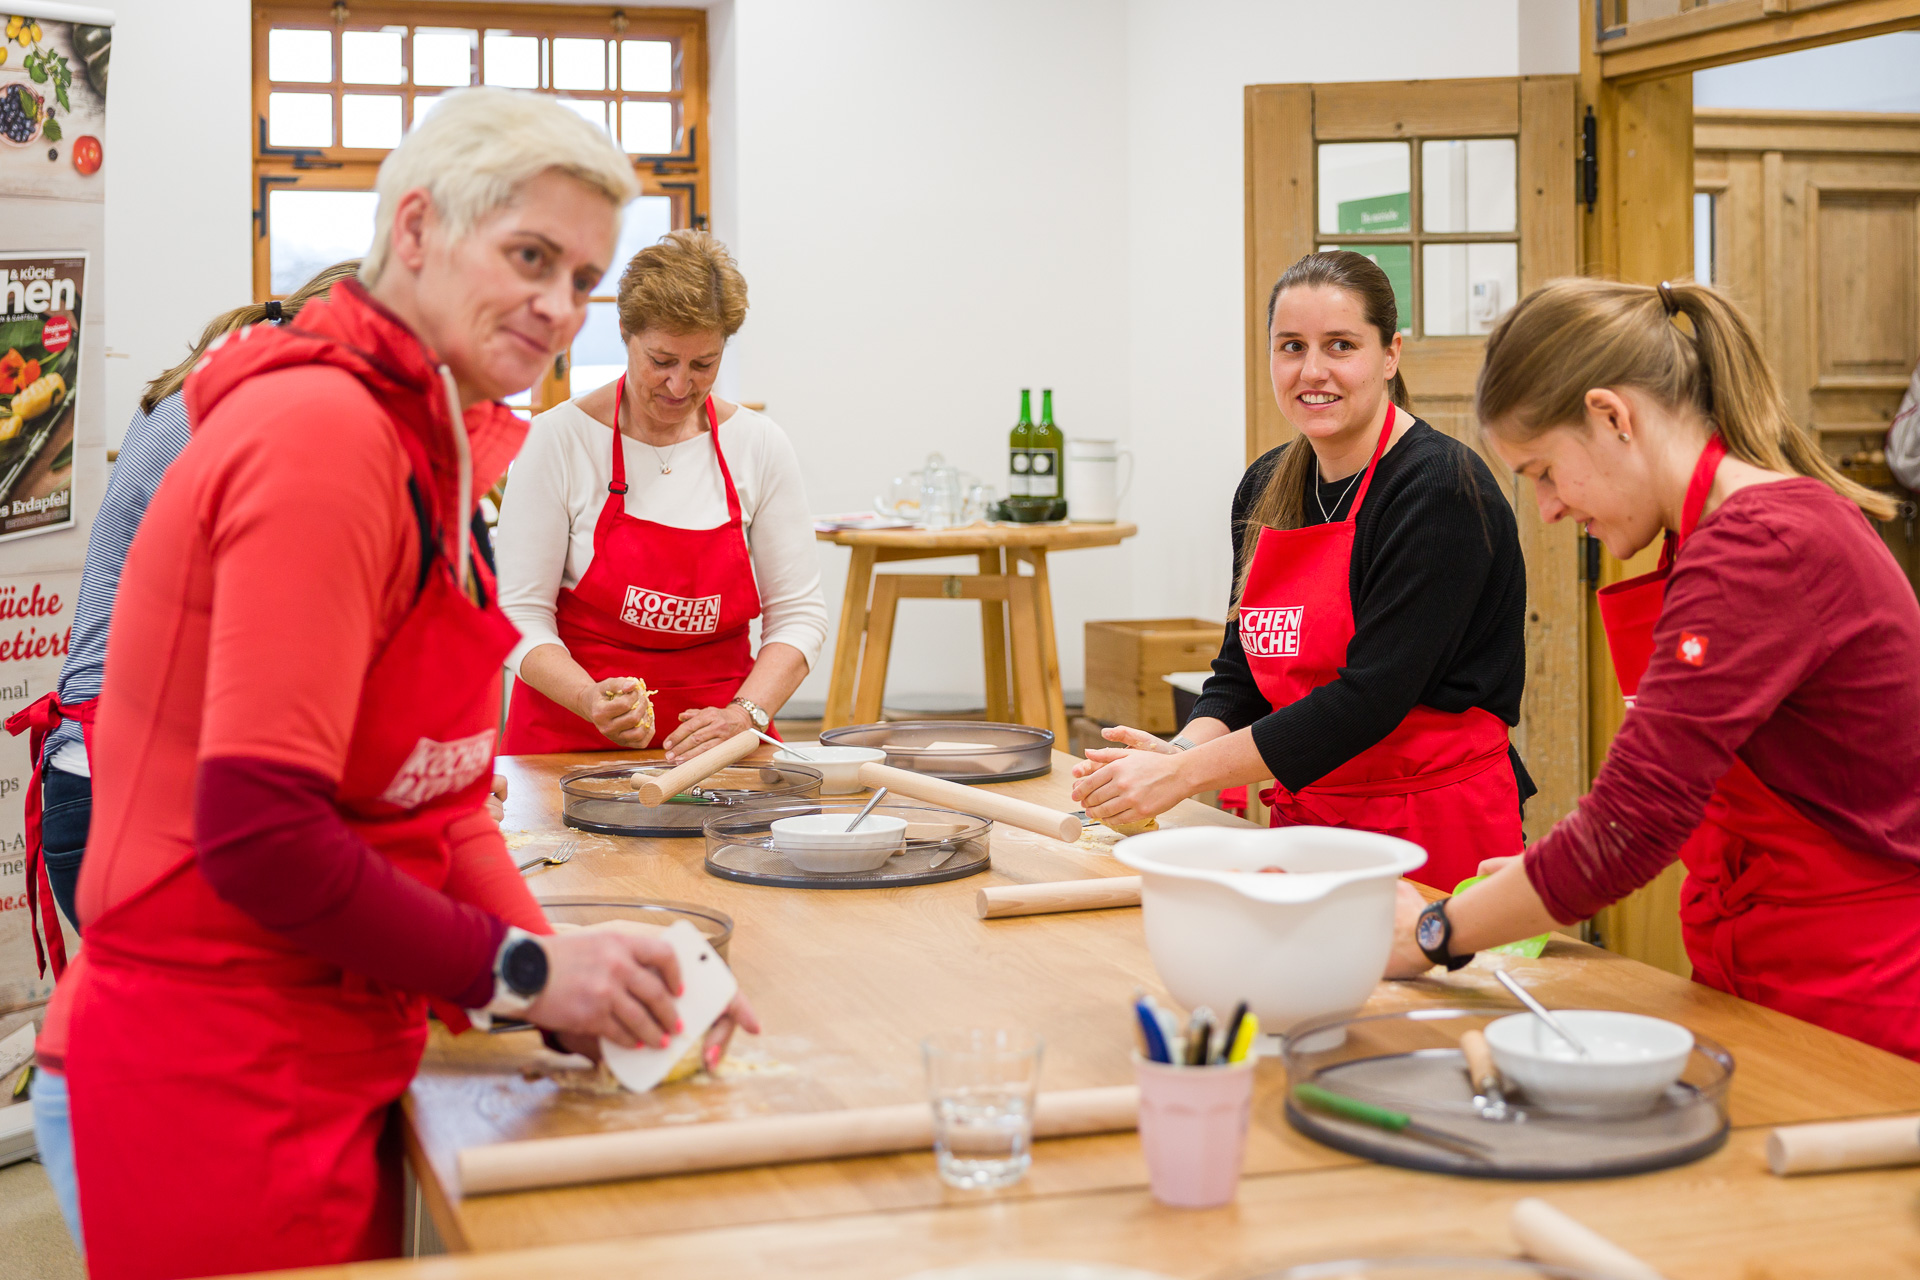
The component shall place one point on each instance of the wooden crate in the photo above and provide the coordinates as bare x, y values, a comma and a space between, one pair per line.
1126, 658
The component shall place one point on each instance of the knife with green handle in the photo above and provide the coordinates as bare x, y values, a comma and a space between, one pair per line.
1339, 1104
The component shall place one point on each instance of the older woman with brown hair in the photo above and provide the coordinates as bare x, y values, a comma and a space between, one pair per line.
635, 546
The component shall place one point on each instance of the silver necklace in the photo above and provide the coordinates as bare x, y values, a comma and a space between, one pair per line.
666, 461
1324, 513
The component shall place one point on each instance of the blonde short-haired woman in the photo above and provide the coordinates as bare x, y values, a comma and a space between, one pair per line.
290, 853
647, 524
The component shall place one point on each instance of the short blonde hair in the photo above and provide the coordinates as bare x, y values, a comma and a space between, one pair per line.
686, 282
474, 151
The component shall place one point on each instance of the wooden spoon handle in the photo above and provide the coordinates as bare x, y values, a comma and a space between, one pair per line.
663, 787
1480, 1069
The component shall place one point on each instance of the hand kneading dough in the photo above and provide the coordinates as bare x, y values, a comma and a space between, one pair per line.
1133, 828
690, 1063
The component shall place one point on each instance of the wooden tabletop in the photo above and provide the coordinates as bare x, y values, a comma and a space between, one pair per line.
847, 982
983, 536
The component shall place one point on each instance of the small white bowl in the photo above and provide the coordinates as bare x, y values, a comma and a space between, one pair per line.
821, 842
1635, 1059
839, 766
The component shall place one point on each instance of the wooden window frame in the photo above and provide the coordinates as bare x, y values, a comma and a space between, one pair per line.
1712, 33
684, 176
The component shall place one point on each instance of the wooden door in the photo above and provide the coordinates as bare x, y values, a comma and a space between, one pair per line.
1464, 191
1815, 220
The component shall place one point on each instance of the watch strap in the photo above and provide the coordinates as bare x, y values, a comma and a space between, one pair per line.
1184, 743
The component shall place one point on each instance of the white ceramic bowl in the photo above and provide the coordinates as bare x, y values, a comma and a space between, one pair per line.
1635, 1058
821, 842
1307, 944
839, 766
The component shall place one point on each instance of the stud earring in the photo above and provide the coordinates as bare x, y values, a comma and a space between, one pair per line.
1624, 438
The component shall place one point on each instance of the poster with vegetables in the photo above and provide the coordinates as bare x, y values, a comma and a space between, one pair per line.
41, 297
53, 107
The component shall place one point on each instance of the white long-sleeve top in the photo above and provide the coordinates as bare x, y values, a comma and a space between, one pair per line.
544, 540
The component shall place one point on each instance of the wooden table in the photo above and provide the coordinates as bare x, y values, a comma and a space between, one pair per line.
1016, 613
847, 981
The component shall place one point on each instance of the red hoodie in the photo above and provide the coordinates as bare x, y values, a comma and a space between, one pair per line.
279, 553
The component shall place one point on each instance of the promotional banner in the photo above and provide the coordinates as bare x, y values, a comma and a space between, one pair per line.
40, 301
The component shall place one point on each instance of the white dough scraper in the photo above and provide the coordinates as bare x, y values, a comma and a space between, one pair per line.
710, 988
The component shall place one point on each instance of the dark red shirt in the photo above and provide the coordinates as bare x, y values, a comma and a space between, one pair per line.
1789, 638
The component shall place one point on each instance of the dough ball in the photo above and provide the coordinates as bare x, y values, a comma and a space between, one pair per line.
1134, 828
687, 1066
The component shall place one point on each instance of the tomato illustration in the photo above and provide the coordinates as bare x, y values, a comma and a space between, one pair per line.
86, 154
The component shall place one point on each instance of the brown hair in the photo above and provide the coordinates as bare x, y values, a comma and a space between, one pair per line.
1282, 504
239, 318
1571, 336
685, 282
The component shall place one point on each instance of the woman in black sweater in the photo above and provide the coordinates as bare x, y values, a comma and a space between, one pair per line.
1378, 651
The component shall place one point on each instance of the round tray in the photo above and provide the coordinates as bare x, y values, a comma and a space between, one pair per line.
992, 752
1411, 1062
740, 847
602, 797
715, 925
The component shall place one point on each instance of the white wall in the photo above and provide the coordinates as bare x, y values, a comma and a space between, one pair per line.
935, 204
1881, 73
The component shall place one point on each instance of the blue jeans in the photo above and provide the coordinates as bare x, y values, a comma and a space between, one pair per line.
66, 811
53, 1130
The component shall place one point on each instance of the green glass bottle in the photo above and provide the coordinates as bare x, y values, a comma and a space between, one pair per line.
1019, 443
1047, 454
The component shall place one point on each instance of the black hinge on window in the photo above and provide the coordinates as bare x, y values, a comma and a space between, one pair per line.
302, 158
267, 180
1587, 565
1587, 173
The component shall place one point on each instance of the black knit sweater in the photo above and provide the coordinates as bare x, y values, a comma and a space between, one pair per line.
1439, 601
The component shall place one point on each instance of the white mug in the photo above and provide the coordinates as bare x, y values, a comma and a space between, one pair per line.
1094, 483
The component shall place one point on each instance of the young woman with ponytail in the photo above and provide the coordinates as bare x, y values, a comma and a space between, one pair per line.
1769, 665
1377, 653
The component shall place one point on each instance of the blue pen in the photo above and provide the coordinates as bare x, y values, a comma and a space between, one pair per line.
1150, 1031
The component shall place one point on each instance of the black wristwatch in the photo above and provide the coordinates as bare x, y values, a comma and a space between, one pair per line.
1433, 933
519, 973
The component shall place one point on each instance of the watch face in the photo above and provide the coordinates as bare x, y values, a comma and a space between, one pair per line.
1431, 931
524, 968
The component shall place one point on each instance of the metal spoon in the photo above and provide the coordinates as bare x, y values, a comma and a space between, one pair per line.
1525, 997
772, 741
561, 855
862, 815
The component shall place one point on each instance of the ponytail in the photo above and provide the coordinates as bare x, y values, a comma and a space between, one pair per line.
275, 311
1571, 336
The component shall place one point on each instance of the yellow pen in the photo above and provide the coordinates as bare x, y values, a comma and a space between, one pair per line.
1243, 1038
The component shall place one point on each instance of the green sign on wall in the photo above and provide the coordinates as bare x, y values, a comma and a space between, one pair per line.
1377, 213
1397, 261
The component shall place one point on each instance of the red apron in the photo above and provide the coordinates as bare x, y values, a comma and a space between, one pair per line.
666, 604
43, 919
1440, 779
262, 1076
1774, 909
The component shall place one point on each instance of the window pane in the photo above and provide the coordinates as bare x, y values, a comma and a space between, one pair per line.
512, 61
315, 229
1364, 186
579, 64
1703, 237
1468, 185
593, 111
1397, 261
646, 66
423, 103
372, 57
369, 120
300, 55
598, 354
299, 120
1468, 286
443, 57
646, 128
647, 219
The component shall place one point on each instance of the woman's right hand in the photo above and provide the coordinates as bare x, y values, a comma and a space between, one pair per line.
1130, 739
612, 983
621, 710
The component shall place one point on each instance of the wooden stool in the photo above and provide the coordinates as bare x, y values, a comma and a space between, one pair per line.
1022, 659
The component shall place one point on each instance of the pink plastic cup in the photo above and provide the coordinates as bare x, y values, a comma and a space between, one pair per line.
1193, 1125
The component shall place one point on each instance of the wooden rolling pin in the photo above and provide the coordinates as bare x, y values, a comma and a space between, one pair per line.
1547, 1235
988, 804
1061, 895
1847, 1144
737, 1144
665, 786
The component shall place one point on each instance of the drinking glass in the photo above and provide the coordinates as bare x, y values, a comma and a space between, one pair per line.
981, 1084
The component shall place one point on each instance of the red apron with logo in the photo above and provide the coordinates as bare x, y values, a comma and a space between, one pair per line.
1774, 909
265, 1075
38, 720
666, 604
1440, 779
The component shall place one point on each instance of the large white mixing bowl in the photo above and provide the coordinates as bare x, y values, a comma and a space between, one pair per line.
1307, 944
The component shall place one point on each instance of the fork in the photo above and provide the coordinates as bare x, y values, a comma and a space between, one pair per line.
563, 854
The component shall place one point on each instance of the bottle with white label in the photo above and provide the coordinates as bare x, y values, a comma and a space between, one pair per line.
1020, 461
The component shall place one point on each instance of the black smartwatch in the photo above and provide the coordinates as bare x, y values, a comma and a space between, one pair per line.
519, 973
1433, 933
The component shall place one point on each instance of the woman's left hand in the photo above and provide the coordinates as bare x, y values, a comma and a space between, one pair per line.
1407, 960
497, 799
1130, 786
704, 727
